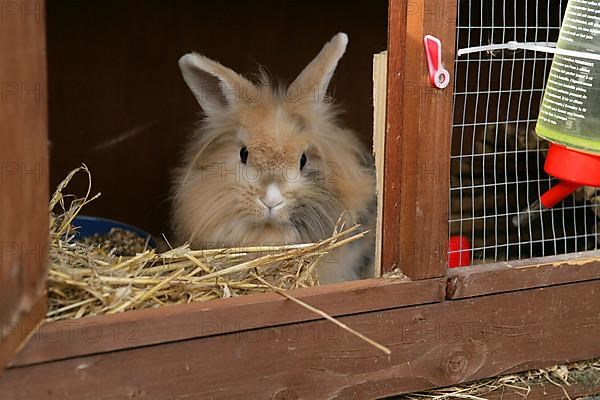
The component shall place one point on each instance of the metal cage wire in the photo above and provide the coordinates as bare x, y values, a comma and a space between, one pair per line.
496, 159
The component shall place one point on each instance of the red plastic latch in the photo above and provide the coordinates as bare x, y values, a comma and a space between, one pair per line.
438, 75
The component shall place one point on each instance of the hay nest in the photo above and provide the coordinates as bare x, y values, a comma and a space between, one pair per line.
89, 278
586, 373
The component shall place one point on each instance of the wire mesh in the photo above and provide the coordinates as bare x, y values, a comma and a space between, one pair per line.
497, 159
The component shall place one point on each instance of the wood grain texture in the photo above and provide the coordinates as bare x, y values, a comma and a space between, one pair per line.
390, 255
517, 275
419, 120
433, 345
379, 123
73, 338
23, 173
16, 335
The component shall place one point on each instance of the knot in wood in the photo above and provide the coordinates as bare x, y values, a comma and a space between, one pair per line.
285, 394
456, 364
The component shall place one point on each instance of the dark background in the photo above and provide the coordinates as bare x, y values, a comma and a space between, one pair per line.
112, 68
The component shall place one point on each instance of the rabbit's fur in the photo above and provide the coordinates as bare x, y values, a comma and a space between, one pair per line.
269, 165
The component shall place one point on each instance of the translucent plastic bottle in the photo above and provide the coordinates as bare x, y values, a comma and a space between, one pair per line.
570, 111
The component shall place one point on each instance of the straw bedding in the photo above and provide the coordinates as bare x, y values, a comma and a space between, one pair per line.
586, 373
88, 277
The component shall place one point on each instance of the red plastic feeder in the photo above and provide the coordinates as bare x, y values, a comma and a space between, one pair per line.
459, 252
573, 168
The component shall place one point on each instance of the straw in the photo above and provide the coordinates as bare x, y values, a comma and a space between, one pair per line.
328, 317
585, 373
88, 278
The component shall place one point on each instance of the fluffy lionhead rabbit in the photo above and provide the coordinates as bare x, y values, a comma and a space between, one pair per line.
271, 165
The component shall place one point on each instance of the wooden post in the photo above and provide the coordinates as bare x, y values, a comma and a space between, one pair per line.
417, 156
23, 173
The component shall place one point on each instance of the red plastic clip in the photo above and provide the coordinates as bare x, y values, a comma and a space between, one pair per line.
439, 76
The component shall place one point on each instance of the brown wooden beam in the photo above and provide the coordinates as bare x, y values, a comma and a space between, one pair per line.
15, 335
91, 335
433, 345
417, 155
23, 171
525, 274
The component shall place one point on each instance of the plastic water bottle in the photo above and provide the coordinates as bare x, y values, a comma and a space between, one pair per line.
570, 111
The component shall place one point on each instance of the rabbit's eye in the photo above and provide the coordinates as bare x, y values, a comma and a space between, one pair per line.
244, 154
302, 160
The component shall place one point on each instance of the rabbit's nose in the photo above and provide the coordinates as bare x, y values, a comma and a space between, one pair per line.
273, 197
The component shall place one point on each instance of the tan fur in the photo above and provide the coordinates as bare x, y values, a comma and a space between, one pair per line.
218, 199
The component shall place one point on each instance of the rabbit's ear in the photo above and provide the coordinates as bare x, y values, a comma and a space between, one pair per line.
214, 85
315, 77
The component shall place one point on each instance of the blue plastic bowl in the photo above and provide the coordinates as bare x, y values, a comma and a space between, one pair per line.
89, 226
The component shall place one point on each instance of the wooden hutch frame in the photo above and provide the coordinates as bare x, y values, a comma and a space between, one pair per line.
443, 327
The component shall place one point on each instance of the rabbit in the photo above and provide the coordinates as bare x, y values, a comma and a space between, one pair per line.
269, 165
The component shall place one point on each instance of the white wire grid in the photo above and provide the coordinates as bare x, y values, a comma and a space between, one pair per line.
497, 160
